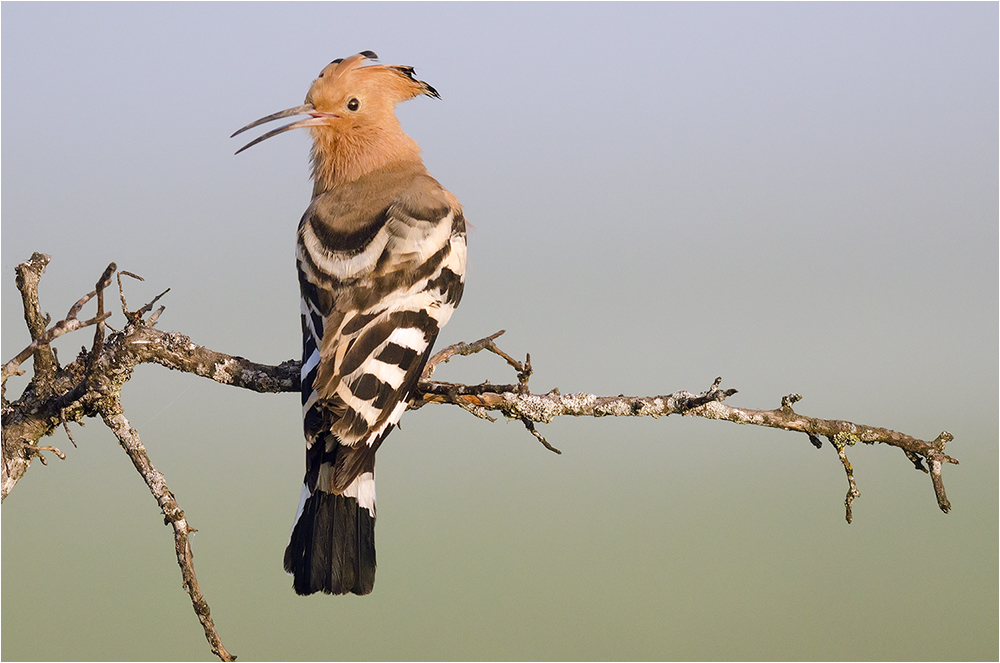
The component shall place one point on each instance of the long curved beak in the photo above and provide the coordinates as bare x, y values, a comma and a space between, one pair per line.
317, 119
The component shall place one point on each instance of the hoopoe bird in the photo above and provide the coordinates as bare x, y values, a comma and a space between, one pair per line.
381, 264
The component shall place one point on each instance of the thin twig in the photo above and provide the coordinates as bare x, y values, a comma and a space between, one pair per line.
840, 442
102, 283
38, 451
459, 348
134, 316
530, 425
121, 290
62, 415
114, 417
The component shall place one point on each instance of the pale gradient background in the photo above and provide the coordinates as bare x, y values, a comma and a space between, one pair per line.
800, 198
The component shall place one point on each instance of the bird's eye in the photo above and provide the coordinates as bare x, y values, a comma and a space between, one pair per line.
353, 105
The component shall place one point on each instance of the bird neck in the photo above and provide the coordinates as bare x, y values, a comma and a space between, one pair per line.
338, 158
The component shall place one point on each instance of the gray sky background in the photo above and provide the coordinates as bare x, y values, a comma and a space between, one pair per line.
797, 197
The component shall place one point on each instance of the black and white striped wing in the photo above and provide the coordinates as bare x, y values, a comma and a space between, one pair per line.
373, 301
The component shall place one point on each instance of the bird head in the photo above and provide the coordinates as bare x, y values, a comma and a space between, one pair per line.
349, 101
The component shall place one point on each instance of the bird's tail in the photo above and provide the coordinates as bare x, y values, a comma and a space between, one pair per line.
332, 547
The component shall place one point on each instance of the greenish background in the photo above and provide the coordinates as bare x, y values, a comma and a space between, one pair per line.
798, 197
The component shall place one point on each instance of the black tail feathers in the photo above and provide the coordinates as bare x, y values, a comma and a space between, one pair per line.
332, 548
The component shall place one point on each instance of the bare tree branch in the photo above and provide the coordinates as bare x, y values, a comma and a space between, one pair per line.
843, 434
90, 386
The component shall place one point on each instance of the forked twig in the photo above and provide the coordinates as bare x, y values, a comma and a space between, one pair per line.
64, 326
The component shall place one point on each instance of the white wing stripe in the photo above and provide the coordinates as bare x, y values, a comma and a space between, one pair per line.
340, 264
391, 374
409, 337
364, 409
363, 490
310, 364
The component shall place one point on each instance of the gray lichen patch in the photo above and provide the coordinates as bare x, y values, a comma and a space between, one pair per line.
543, 410
577, 404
